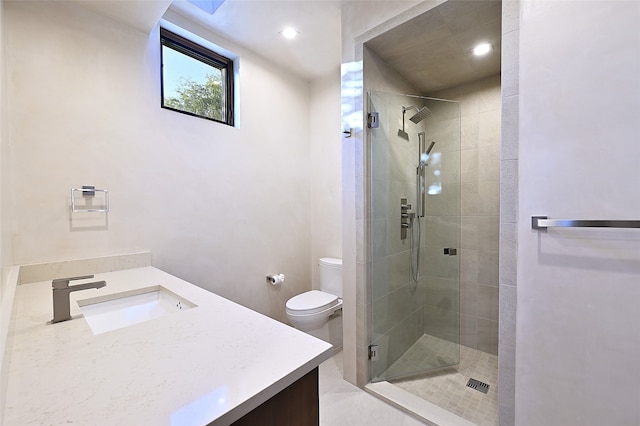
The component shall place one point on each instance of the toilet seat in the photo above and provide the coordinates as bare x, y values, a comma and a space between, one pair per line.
311, 302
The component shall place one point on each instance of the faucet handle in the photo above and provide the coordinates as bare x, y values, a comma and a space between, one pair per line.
64, 282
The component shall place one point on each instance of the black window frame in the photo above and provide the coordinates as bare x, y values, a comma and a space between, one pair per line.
207, 56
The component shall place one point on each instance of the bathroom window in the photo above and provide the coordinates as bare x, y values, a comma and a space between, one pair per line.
195, 80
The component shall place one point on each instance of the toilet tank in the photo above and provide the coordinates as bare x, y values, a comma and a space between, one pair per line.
331, 275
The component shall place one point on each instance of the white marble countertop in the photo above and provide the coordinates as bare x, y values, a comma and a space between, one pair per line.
213, 363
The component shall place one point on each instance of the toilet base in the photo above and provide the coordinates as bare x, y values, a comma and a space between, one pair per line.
331, 331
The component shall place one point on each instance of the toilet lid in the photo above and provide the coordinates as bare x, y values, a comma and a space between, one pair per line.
311, 302
330, 261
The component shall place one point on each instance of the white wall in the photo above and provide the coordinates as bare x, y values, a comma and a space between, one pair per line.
5, 223
218, 206
578, 323
7, 281
326, 183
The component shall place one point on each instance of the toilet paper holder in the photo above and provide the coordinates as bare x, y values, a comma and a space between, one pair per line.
275, 279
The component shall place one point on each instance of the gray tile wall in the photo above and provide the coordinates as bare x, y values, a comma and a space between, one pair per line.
402, 313
508, 211
480, 107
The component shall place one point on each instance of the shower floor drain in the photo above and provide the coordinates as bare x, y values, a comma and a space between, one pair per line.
478, 385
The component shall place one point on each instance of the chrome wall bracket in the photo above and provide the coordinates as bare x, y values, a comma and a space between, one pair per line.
372, 120
373, 352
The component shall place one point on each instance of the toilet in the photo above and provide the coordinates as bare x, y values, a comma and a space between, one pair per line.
319, 312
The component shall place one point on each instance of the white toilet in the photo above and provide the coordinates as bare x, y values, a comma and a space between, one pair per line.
319, 312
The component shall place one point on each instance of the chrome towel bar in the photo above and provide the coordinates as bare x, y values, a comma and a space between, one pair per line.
543, 222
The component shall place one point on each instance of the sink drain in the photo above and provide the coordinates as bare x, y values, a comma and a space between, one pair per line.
478, 385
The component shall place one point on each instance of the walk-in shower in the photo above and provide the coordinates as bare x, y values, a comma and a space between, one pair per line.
415, 321
431, 326
422, 334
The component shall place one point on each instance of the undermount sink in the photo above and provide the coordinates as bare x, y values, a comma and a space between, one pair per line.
119, 310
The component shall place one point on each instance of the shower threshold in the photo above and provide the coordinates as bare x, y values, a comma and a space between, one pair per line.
417, 407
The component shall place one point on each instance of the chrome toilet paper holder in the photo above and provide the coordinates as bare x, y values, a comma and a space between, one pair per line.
275, 279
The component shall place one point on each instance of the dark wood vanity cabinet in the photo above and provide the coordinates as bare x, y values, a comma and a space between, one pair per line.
297, 405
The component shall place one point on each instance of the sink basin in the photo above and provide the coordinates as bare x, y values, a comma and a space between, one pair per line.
119, 310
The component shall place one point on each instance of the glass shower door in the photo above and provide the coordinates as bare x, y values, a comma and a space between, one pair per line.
414, 285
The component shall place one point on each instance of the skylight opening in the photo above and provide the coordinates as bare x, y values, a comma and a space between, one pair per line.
209, 6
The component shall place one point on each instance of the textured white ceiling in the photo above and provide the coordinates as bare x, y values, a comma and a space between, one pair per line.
433, 50
256, 25
142, 15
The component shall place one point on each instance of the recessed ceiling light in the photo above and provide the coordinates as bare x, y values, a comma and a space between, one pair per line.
289, 33
482, 49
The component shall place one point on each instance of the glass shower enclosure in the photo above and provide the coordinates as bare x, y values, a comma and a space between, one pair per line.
414, 235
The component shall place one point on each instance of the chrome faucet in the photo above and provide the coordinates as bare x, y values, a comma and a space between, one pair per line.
61, 291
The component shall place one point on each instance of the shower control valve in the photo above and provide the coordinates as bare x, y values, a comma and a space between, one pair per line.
405, 218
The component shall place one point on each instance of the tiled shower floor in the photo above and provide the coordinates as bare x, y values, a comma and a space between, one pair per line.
448, 388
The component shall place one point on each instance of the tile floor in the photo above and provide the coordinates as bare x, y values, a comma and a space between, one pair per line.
448, 388
343, 404
426, 354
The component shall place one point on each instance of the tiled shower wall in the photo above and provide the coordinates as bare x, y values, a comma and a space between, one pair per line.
480, 210
397, 307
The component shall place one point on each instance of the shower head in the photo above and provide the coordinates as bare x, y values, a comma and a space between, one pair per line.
420, 115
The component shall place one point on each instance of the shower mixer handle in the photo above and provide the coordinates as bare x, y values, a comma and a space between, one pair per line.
405, 217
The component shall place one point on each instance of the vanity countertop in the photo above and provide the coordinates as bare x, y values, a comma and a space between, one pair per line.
213, 363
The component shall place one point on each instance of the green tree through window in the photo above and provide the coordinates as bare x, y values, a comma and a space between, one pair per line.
205, 99
195, 80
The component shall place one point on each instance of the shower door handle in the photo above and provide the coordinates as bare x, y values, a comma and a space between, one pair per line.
450, 251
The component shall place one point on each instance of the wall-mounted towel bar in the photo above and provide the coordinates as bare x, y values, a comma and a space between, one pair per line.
89, 191
543, 222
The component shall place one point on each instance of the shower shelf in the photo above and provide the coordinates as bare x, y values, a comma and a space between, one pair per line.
543, 222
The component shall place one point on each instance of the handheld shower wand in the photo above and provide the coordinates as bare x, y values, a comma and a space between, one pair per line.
423, 156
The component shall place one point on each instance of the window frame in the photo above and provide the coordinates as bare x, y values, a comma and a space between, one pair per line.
207, 56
